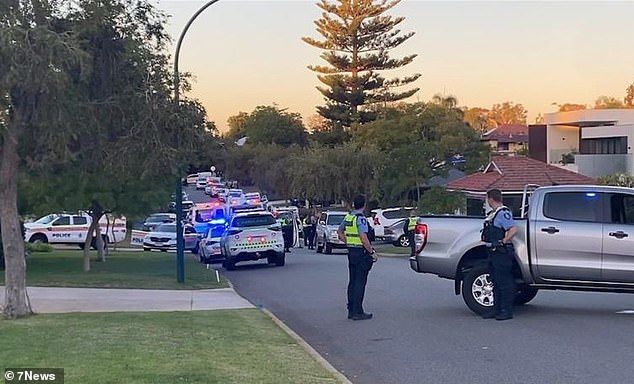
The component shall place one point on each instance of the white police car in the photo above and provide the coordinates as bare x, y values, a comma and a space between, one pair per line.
252, 236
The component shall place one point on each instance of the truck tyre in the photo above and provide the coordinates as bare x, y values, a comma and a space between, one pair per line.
525, 294
328, 248
280, 260
38, 238
320, 248
477, 289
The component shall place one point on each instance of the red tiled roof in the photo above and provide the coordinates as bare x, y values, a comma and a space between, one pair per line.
508, 133
512, 173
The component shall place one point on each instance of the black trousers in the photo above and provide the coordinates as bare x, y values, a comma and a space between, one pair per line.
359, 265
504, 290
310, 236
412, 246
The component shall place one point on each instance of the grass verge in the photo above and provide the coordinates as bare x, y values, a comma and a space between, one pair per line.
389, 248
149, 270
232, 346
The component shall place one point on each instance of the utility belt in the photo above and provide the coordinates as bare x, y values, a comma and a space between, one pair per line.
501, 247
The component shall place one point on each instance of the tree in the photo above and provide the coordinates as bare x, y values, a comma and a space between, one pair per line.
36, 62
618, 179
629, 96
608, 102
437, 200
567, 107
269, 125
508, 113
478, 119
357, 39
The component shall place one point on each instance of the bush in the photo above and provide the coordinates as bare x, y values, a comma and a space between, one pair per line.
39, 247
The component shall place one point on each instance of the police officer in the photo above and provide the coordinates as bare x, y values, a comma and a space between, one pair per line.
409, 226
287, 232
354, 232
499, 229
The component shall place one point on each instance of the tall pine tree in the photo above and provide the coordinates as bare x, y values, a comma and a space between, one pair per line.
357, 38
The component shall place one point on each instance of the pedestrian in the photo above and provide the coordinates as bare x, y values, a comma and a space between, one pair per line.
408, 229
499, 229
306, 229
353, 231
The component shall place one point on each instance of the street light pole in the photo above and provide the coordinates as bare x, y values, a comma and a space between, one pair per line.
180, 240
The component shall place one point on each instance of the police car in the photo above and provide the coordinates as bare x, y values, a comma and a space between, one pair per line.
252, 236
65, 228
209, 246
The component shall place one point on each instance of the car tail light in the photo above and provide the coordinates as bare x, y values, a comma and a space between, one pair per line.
376, 220
421, 231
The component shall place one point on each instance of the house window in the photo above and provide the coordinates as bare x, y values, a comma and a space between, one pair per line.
604, 146
503, 146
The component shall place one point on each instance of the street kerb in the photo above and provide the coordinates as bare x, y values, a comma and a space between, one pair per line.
340, 376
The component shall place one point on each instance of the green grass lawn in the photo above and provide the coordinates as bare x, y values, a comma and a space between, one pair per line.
234, 346
389, 248
121, 270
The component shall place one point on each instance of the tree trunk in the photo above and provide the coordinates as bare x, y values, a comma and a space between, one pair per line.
16, 303
88, 244
96, 212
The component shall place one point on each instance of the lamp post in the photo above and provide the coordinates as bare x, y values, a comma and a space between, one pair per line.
180, 240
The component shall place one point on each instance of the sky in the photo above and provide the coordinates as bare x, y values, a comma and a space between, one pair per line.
248, 53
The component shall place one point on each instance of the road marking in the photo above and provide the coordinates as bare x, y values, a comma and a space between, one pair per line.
626, 312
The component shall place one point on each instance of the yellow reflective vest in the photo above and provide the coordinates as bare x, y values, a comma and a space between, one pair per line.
352, 231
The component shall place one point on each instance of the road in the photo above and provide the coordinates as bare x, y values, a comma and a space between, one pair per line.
423, 333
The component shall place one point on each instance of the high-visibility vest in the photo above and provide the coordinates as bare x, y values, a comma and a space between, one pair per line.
411, 223
352, 231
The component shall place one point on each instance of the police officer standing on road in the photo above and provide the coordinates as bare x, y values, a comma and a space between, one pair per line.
409, 227
354, 232
287, 232
499, 229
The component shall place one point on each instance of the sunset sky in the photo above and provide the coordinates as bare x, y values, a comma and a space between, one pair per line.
249, 53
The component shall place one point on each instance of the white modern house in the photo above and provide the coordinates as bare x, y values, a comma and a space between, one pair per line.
593, 142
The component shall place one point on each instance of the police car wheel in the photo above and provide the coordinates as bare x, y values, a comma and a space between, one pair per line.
146, 249
328, 248
524, 295
280, 260
229, 265
37, 239
477, 289
403, 241
320, 248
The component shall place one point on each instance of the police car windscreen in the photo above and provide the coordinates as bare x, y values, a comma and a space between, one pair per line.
335, 219
204, 215
253, 221
46, 219
166, 228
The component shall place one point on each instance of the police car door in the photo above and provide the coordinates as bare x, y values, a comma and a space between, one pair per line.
80, 228
60, 230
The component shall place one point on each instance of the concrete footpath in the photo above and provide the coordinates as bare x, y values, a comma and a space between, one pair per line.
62, 300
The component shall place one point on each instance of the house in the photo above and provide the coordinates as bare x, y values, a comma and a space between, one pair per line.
507, 138
593, 142
510, 174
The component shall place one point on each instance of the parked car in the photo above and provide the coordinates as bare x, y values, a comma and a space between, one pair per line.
383, 218
569, 237
326, 233
253, 236
156, 219
191, 179
163, 238
209, 246
395, 234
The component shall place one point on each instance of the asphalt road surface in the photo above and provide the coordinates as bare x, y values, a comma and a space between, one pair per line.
422, 333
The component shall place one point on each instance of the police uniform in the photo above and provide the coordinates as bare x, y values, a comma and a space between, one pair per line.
287, 233
359, 260
500, 260
411, 225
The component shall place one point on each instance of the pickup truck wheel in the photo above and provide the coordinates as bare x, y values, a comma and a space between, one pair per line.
524, 295
320, 248
403, 241
229, 265
477, 289
328, 248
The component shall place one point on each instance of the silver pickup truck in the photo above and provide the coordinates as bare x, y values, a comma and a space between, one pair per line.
570, 237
